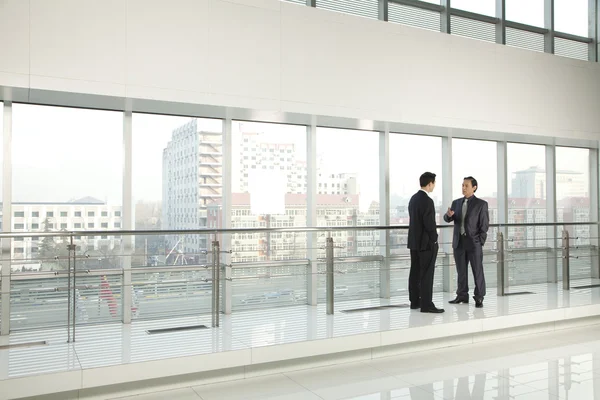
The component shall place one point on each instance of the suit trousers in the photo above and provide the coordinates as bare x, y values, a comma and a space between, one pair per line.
466, 253
420, 280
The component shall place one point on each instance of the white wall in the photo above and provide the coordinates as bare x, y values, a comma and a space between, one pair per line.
279, 58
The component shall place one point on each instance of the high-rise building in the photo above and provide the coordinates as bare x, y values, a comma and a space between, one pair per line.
530, 183
192, 179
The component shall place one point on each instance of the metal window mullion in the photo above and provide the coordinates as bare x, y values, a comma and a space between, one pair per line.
384, 212
7, 217
449, 272
502, 179
311, 212
501, 25
383, 10
593, 28
549, 25
445, 15
551, 214
594, 204
127, 215
226, 212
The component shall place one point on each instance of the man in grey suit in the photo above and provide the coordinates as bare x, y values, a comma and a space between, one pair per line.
471, 222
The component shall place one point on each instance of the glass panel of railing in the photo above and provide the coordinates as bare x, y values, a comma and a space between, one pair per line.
171, 275
39, 299
583, 252
269, 284
357, 265
530, 253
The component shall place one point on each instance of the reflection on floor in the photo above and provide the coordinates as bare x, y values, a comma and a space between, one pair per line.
559, 365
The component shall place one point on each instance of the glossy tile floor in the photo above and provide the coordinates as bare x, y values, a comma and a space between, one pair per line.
114, 344
559, 365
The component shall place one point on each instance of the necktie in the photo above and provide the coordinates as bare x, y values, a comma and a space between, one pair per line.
464, 214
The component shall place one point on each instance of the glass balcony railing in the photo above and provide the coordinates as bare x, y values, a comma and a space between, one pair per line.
139, 275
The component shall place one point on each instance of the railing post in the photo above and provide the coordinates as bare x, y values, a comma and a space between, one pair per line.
214, 282
501, 267
217, 283
566, 254
329, 272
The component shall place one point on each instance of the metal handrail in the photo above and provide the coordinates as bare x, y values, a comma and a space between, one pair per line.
210, 231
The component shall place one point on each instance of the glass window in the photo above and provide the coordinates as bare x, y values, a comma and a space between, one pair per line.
526, 173
485, 7
77, 225
63, 226
35, 214
530, 12
19, 226
35, 226
274, 196
571, 16
91, 213
177, 174
406, 166
60, 143
117, 225
117, 213
104, 213
104, 225
64, 214
78, 213
478, 159
90, 225
573, 193
49, 214
19, 214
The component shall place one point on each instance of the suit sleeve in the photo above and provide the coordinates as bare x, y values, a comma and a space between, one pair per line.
429, 222
446, 217
484, 222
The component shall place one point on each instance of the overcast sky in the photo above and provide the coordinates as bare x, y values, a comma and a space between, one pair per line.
61, 154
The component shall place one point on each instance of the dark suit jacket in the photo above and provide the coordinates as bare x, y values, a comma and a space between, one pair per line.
477, 220
422, 233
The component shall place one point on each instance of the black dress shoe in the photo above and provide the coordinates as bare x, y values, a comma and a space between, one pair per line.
478, 302
459, 300
414, 306
433, 310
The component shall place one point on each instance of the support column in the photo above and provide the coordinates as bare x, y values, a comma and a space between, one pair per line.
449, 270
594, 204
501, 26
445, 16
311, 213
593, 28
128, 215
384, 212
383, 10
227, 173
503, 190
549, 24
552, 233
6, 217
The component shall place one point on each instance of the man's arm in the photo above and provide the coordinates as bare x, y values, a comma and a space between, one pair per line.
429, 224
484, 222
448, 218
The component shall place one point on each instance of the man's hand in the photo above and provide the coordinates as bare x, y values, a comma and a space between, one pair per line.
450, 213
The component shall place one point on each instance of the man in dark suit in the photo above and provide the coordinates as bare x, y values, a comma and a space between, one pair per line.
423, 245
471, 223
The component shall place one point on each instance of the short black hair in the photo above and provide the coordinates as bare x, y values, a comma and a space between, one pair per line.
426, 179
473, 182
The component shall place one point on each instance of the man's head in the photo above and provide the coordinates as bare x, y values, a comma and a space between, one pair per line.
469, 186
427, 182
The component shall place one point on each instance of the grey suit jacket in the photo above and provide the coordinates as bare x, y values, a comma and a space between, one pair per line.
477, 220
